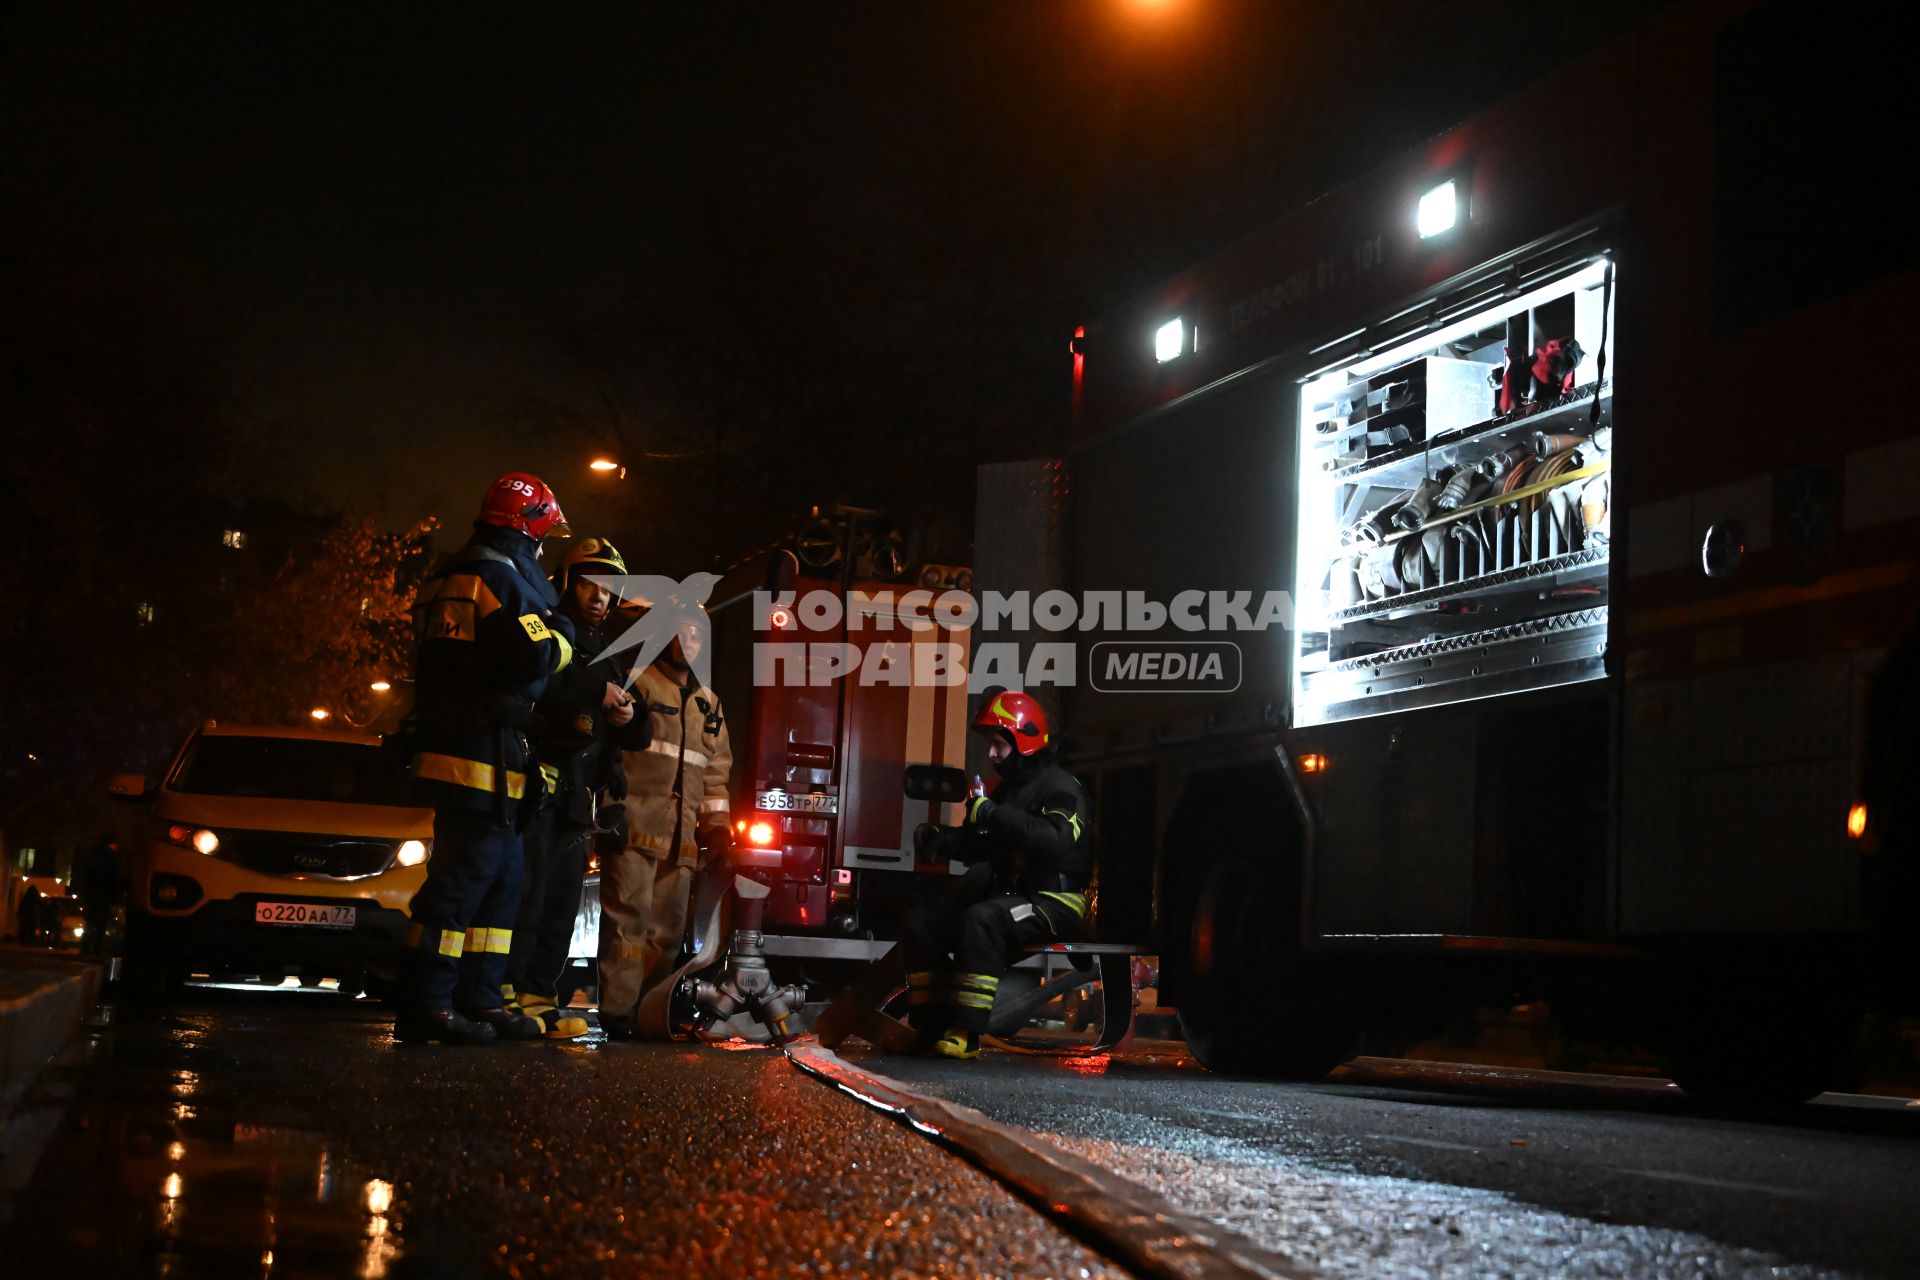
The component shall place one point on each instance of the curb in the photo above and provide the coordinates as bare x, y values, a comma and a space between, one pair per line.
36, 1025
1122, 1219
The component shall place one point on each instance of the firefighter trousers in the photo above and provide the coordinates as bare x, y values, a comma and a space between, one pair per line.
556, 870
958, 947
463, 915
643, 916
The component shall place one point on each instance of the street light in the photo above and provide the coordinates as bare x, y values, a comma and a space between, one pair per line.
321, 713
607, 464
380, 686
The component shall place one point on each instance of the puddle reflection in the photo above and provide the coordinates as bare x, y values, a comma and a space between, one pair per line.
254, 1201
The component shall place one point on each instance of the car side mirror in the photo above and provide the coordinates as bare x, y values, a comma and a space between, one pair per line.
940, 783
128, 786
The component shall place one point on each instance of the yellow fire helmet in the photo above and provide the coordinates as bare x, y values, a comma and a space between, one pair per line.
589, 555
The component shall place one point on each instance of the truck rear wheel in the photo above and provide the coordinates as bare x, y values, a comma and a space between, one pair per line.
1758, 1043
1248, 1003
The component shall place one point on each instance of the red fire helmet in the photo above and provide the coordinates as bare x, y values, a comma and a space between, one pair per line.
1020, 716
523, 502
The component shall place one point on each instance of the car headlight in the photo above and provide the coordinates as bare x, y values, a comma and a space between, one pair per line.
412, 853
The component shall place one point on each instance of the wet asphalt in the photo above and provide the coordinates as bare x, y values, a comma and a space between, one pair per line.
269, 1134
1393, 1171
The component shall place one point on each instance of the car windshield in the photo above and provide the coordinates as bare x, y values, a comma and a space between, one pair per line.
293, 769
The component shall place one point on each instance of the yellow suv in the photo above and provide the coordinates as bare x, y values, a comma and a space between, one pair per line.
274, 851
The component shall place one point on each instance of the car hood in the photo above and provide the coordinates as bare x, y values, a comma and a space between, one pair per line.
258, 813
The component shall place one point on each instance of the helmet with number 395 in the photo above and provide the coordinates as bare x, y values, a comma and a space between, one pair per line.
523, 502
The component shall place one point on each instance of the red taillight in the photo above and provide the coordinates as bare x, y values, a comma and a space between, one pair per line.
781, 619
760, 832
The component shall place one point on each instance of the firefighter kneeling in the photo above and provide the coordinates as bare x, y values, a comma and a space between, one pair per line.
1027, 882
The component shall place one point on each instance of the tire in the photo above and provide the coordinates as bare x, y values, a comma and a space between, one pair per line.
1760, 1044
1248, 1003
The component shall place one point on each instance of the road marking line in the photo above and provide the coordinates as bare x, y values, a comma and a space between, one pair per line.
1141, 1230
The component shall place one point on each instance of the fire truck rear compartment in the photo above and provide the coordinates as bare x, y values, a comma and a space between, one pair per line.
1453, 545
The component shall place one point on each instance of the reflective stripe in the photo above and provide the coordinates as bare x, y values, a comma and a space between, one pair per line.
644, 840
716, 805
451, 942
566, 653
1074, 902
1073, 819
482, 940
550, 774
467, 587
696, 758
1021, 911
462, 772
973, 1000
985, 981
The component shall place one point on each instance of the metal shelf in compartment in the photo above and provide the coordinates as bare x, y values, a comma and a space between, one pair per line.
1572, 568
1539, 653
1408, 465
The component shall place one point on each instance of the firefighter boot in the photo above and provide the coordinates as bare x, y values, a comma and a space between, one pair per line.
558, 1023
927, 1009
420, 1026
508, 1023
964, 1045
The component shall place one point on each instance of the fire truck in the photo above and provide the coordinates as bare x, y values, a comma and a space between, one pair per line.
815, 660
1571, 440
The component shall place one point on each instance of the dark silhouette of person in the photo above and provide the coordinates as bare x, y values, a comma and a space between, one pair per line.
99, 890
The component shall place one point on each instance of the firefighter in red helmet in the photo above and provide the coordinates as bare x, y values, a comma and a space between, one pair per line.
489, 636
1030, 859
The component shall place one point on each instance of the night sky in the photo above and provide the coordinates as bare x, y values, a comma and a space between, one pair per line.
431, 243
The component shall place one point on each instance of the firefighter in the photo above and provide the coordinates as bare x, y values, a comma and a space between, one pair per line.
587, 720
677, 815
489, 637
1030, 861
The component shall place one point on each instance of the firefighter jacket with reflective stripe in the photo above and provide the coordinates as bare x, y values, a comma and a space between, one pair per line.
579, 751
677, 786
1032, 829
488, 638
